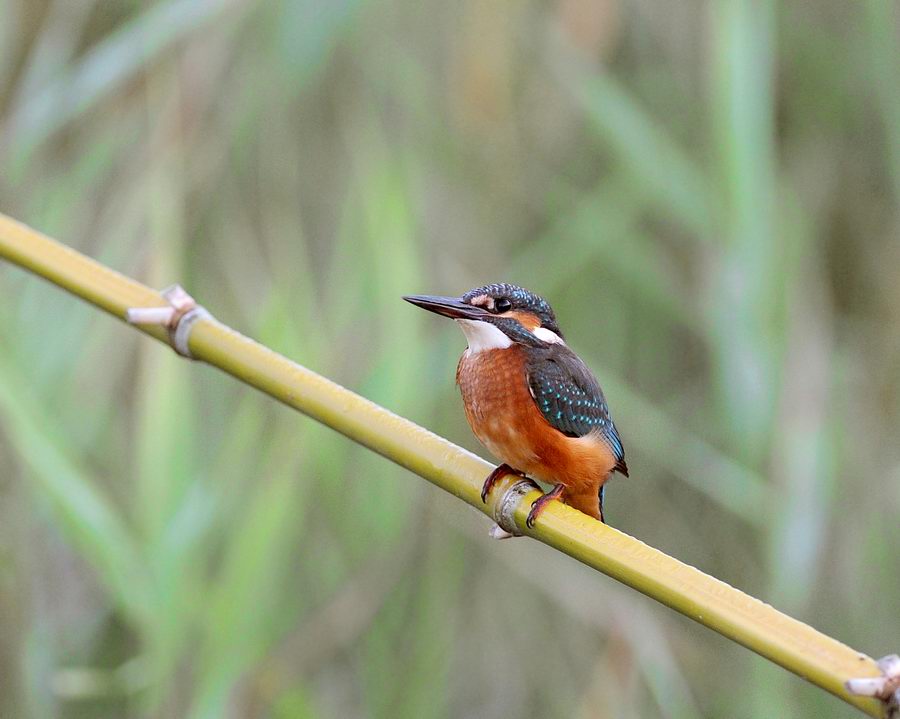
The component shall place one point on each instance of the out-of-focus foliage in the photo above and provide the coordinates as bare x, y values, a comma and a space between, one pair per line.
708, 193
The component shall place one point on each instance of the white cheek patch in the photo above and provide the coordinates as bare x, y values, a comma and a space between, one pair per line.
545, 335
483, 336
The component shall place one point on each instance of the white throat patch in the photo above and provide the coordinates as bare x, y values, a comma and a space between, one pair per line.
483, 336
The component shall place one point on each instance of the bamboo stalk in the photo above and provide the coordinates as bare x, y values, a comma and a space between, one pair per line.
789, 643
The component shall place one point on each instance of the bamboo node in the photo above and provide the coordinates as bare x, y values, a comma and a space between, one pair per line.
178, 318
505, 509
886, 687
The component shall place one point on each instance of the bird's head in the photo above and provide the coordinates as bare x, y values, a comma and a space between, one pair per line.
497, 316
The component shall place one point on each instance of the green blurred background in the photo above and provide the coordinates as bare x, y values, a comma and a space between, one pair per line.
707, 191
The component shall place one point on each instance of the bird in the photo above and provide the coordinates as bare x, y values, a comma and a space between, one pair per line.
529, 399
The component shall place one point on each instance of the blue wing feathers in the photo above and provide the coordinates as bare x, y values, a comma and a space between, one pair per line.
569, 397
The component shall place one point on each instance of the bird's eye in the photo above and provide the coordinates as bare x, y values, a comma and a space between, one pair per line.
502, 305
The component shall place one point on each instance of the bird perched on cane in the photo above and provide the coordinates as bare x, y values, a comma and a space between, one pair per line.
529, 399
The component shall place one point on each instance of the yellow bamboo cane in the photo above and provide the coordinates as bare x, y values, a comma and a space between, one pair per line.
793, 645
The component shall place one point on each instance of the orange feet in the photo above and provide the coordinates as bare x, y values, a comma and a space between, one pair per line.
541, 502
492, 478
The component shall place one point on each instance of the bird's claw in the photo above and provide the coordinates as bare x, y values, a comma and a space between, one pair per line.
541, 503
494, 477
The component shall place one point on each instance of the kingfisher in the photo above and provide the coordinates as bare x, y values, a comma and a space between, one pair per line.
530, 400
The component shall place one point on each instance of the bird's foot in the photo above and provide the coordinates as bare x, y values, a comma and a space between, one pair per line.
496, 475
541, 503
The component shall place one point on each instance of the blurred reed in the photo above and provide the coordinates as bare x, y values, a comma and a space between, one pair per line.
707, 193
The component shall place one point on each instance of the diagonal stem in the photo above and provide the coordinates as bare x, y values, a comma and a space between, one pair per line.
789, 643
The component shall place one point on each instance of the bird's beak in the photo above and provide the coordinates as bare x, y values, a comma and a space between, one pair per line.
448, 307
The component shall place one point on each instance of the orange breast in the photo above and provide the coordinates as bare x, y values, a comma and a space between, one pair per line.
504, 417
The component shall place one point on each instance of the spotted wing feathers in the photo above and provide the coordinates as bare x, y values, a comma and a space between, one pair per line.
569, 397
